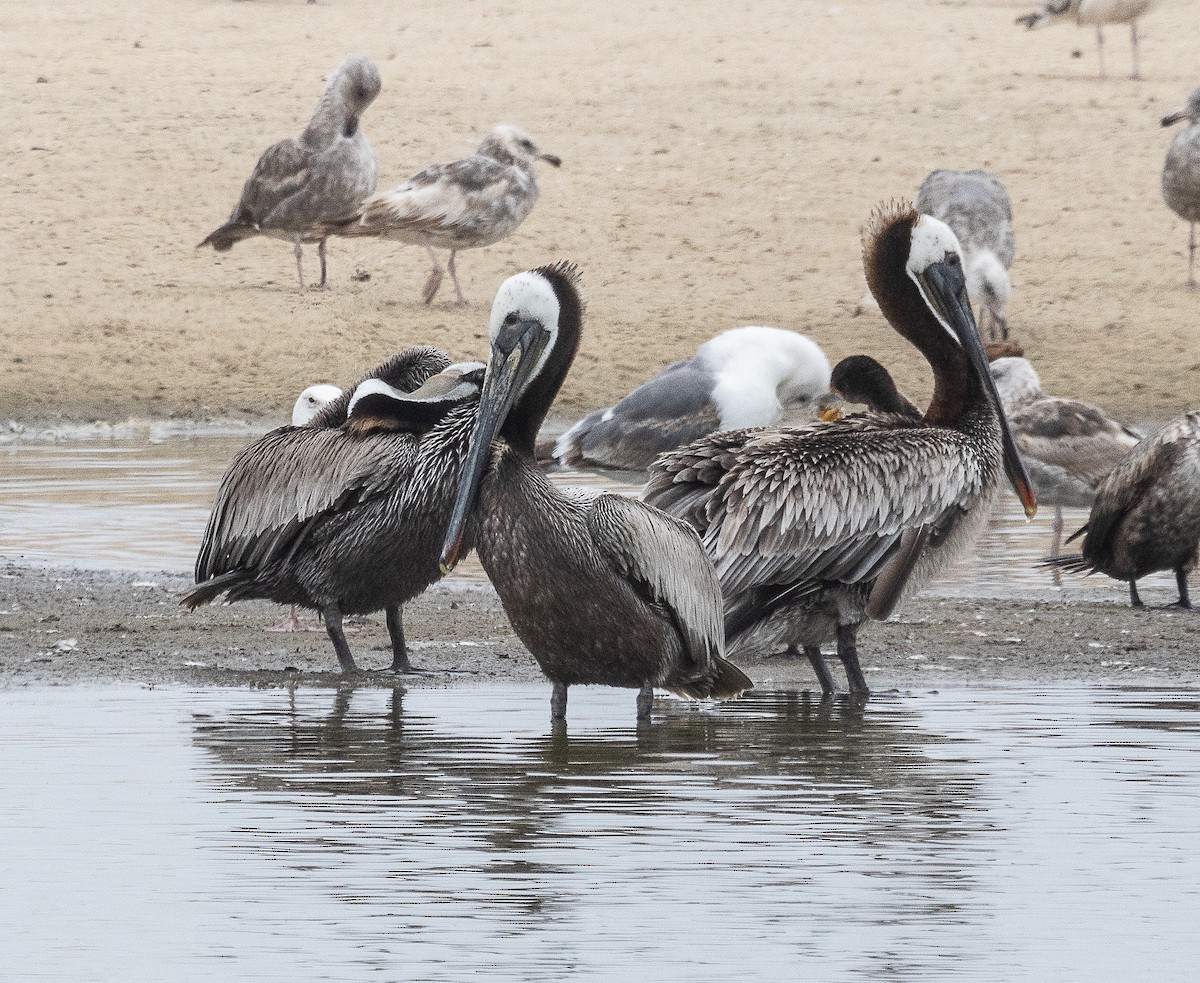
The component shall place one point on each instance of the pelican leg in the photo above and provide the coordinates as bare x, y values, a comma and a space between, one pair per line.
848, 653
1100, 50
645, 702
434, 280
333, 625
824, 676
1181, 581
299, 262
323, 285
1133, 595
1191, 254
1133, 43
458, 294
558, 702
395, 626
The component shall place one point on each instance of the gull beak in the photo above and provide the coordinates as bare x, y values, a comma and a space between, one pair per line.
551, 159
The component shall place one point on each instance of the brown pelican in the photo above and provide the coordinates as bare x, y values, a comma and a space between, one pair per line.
1181, 174
1098, 13
303, 185
601, 590
975, 204
811, 529
1146, 516
346, 519
472, 202
744, 377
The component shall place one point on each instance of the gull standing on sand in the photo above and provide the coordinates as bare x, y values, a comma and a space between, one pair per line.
1181, 174
1099, 13
975, 204
302, 186
471, 202
744, 377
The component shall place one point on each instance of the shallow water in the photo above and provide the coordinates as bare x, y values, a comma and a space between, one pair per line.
448, 835
142, 505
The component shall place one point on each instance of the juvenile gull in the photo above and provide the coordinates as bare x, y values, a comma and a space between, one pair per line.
744, 377
975, 204
1097, 12
1146, 516
472, 202
303, 185
1181, 174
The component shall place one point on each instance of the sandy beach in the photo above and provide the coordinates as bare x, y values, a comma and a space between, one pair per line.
718, 166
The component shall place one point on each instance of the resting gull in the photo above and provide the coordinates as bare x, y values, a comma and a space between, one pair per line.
472, 202
312, 401
1099, 13
1181, 174
744, 377
302, 186
976, 206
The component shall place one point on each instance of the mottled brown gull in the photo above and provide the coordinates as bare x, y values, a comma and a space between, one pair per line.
471, 202
303, 185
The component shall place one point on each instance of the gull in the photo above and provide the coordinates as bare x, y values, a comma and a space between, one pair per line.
1098, 12
303, 185
468, 203
1181, 174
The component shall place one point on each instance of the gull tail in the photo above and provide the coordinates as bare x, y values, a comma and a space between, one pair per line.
1047, 13
222, 239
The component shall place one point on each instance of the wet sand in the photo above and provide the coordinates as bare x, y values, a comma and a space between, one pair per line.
718, 165
63, 627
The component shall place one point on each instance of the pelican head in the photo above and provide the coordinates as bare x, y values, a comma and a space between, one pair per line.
510, 143
1190, 112
533, 334
311, 402
903, 245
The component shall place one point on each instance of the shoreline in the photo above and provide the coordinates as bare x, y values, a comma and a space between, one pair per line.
62, 626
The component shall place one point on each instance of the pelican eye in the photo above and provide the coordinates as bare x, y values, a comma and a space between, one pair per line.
953, 259
510, 319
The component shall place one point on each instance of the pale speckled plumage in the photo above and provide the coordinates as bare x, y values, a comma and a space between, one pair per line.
1068, 445
1181, 173
345, 515
466, 204
303, 186
743, 377
1146, 516
975, 204
1094, 13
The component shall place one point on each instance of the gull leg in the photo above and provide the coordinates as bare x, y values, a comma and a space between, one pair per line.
1056, 544
1133, 41
645, 702
395, 626
1100, 49
848, 653
1191, 254
1133, 595
333, 625
461, 300
291, 623
299, 262
321, 253
558, 702
434, 280
1181, 581
824, 676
